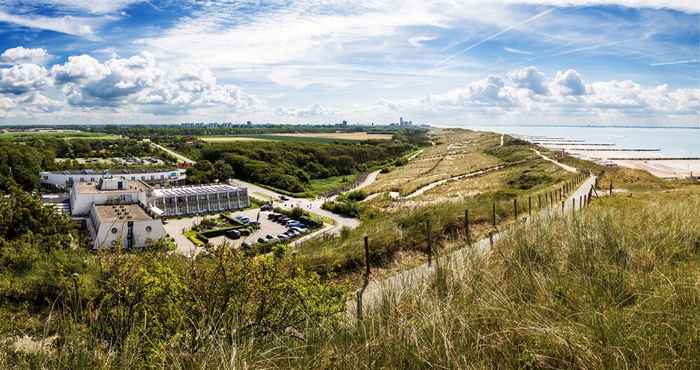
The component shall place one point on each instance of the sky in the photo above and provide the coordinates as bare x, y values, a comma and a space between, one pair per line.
439, 62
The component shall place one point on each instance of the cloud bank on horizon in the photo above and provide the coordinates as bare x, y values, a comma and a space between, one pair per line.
321, 61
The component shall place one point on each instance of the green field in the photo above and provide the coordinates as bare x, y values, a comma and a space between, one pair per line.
331, 184
228, 139
66, 135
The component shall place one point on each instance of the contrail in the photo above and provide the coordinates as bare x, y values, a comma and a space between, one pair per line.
505, 30
689, 61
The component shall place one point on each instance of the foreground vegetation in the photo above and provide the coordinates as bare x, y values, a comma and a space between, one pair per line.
613, 287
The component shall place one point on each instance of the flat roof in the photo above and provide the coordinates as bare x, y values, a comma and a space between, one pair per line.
196, 190
125, 171
93, 187
121, 213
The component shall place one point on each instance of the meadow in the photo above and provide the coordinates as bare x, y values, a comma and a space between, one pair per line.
58, 134
227, 139
354, 136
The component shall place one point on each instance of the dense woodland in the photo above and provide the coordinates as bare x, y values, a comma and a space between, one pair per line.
290, 166
20, 162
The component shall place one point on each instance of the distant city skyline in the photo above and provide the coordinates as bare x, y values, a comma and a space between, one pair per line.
438, 62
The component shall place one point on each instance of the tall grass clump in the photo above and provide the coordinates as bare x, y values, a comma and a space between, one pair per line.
615, 287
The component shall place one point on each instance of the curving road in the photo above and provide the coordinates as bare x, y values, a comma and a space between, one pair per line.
311, 205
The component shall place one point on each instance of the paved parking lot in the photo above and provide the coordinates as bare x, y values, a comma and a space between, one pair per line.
175, 228
266, 227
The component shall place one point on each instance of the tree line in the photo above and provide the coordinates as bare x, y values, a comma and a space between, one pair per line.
290, 166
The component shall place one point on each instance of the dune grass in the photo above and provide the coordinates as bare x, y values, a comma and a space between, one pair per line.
615, 287
457, 152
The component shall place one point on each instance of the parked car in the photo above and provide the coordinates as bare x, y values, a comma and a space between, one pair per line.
233, 234
283, 198
262, 240
246, 245
282, 237
268, 237
266, 207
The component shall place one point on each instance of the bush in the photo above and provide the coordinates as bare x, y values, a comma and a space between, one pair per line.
356, 196
347, 209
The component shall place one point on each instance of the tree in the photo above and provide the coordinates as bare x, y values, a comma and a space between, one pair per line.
223, 170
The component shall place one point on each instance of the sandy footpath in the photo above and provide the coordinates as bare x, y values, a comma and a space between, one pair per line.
665, 168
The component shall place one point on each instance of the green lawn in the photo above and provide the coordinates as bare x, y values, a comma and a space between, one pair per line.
68, 135
335, 183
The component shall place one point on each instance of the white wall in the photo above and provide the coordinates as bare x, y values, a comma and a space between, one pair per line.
60, 179
105, 237
81, 203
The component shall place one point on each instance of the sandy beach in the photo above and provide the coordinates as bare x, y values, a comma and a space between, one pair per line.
648, 159
665, 168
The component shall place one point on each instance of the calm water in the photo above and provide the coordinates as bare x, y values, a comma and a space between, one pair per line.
673, 142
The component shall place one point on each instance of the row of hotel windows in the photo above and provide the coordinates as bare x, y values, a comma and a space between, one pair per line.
92, 179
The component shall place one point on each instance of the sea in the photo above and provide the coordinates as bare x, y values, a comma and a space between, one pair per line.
672, 141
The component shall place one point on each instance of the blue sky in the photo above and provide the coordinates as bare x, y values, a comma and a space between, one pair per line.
434, 61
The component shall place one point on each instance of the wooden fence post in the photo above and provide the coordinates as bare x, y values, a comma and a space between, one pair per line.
515, 209
430, 242
367, 271
529, 206
493, 214
466, 226
539, 201
491, 238
611, 187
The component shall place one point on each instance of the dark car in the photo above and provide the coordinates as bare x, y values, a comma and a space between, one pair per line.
266, 207
262, 240
233, 234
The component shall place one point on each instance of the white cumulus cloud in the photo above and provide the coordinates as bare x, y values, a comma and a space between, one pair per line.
21, 54
568, 83
22, 78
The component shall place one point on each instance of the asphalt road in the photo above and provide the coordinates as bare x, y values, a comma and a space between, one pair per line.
311, 205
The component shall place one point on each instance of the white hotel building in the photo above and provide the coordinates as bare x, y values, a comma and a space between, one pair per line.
191, 200
129, 211
66, 179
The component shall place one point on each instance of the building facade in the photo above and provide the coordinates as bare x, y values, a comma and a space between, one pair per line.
191, 200
66, 179
127, 212
128, 225
83, 195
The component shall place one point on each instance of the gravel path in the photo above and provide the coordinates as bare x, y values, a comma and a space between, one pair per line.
405, 280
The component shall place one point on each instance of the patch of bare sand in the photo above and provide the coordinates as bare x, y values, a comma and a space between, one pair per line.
665, 168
